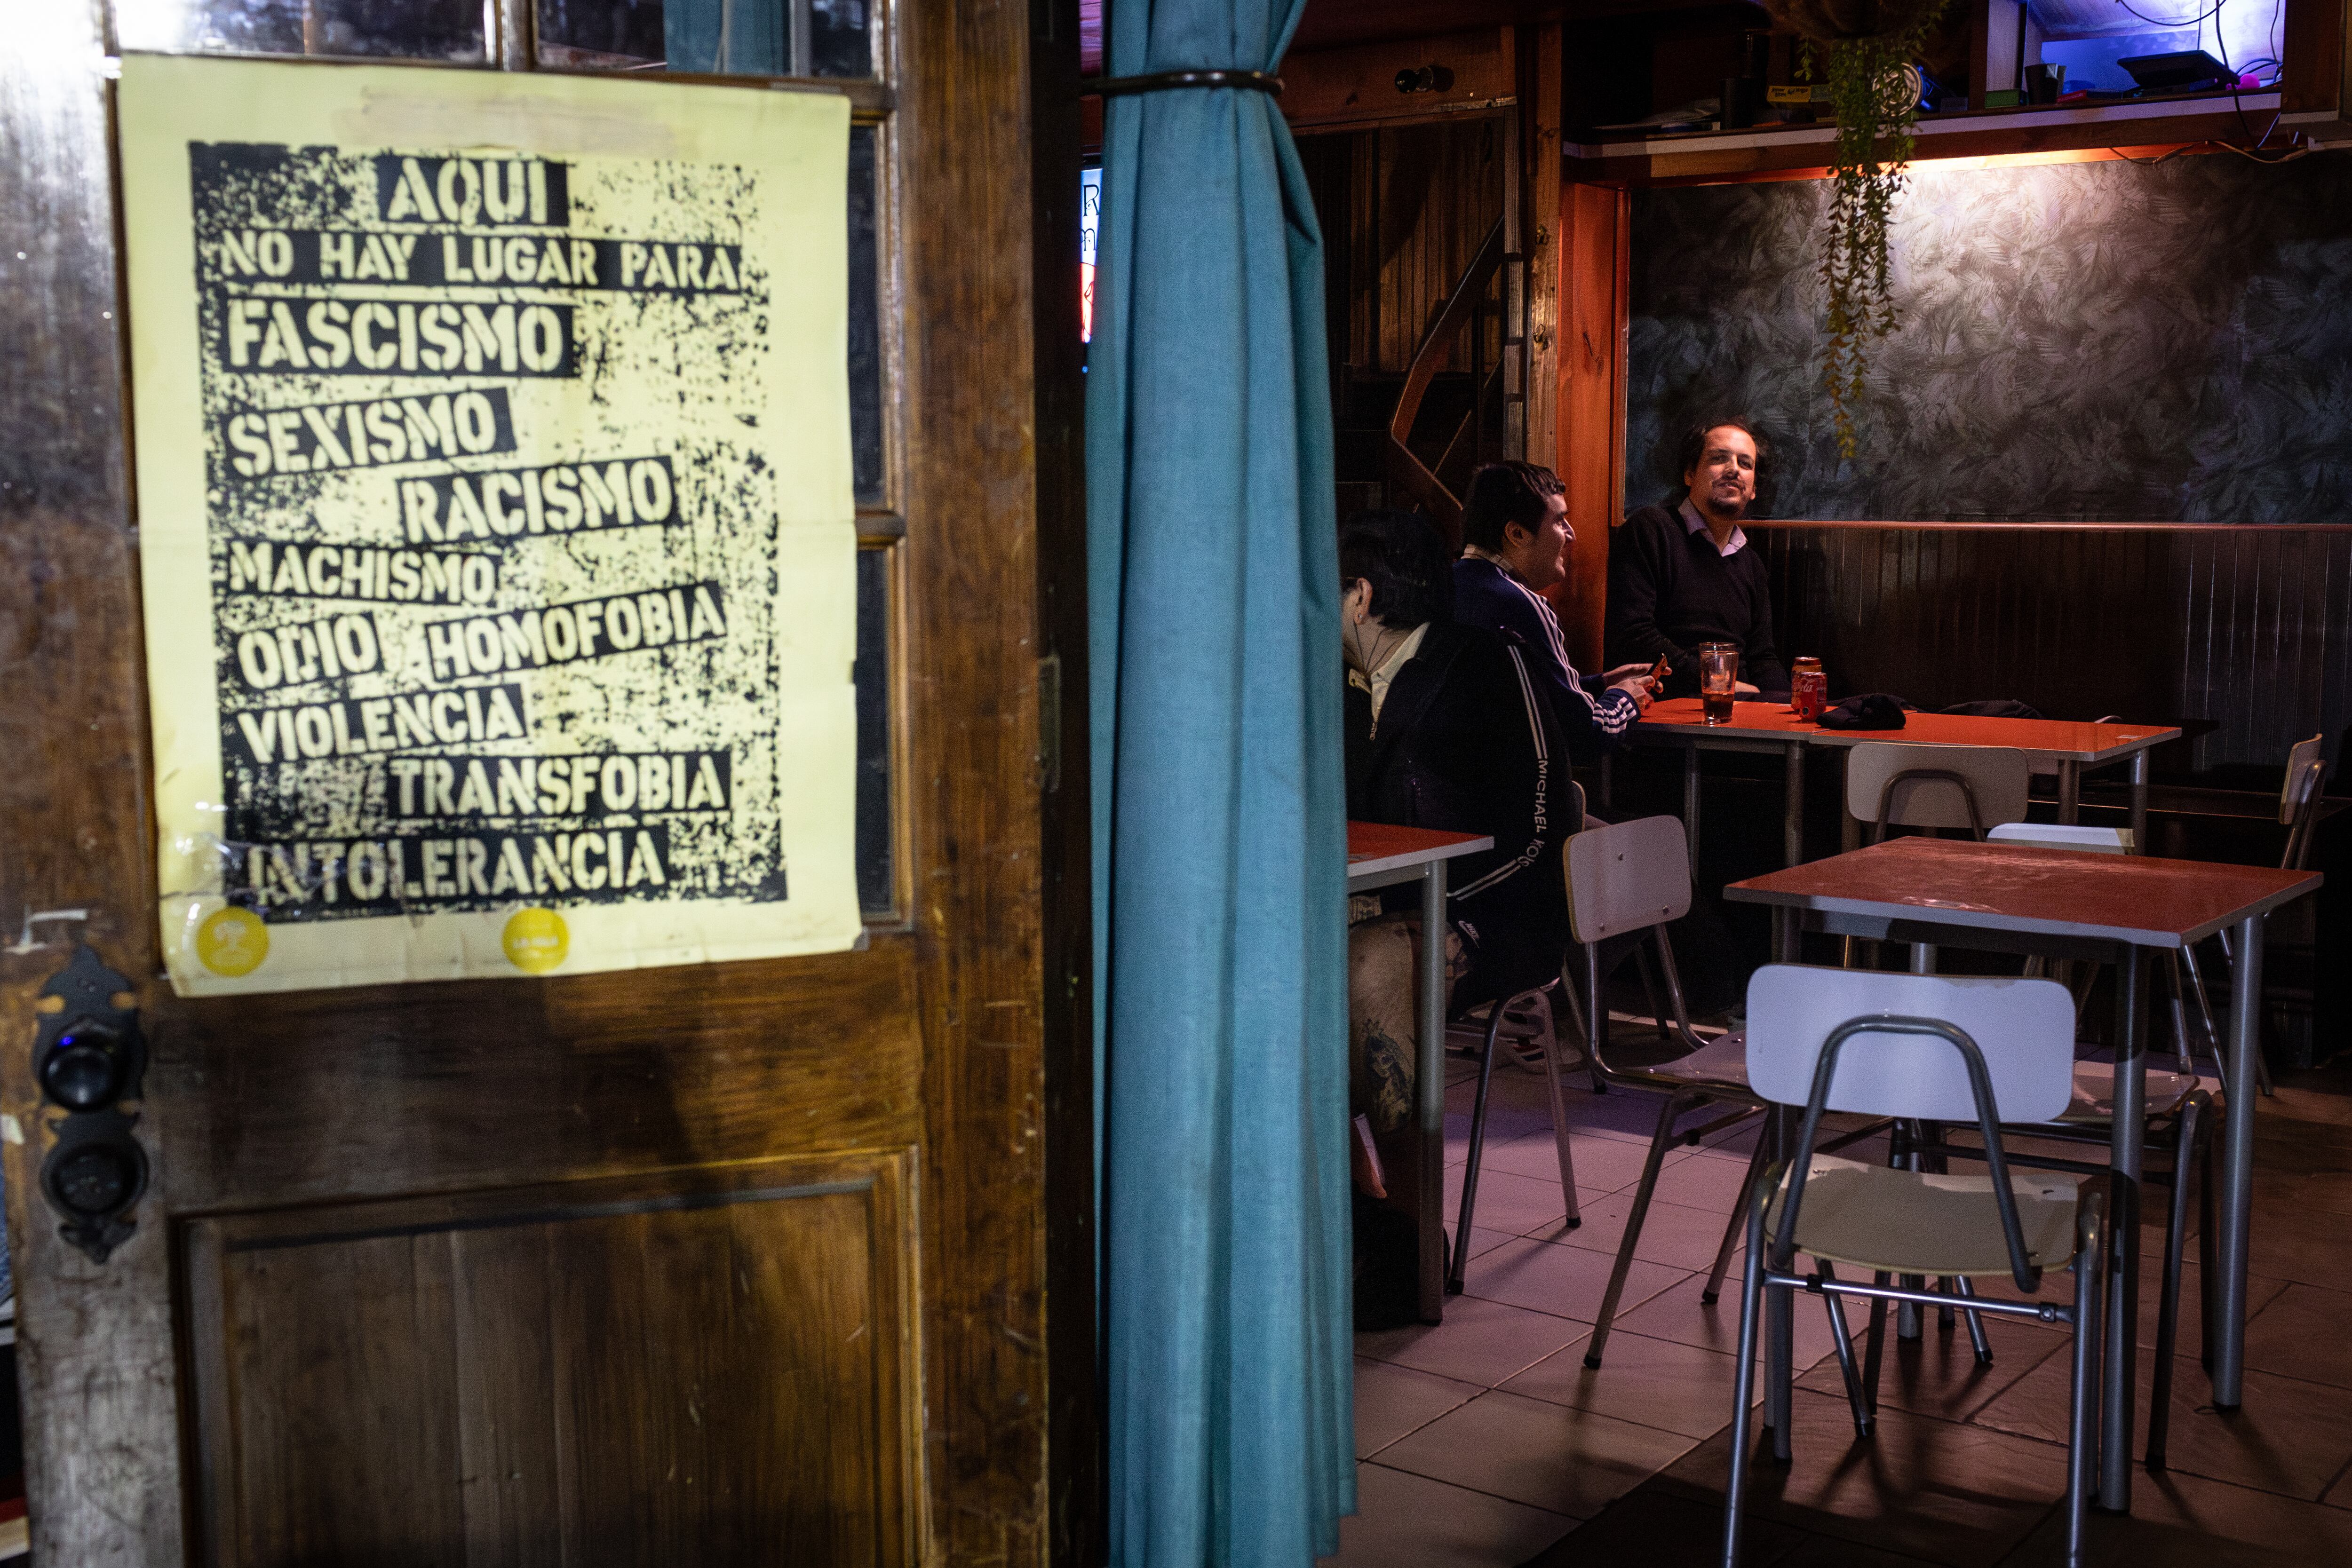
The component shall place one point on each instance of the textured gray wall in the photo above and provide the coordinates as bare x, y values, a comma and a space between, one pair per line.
2080, 342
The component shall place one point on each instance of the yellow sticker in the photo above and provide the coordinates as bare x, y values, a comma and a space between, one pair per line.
536, 940
232, 941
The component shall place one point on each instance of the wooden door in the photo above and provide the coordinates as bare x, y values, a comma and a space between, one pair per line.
744, 1263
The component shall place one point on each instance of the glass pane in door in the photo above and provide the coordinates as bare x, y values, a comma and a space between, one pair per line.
366, 29
724, 38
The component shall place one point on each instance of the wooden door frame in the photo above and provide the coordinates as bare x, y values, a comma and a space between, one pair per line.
994, 958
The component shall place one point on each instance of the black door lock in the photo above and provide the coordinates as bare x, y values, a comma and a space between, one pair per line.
90, 1057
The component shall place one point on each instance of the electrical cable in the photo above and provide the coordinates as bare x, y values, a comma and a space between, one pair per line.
2198, 21
2260, 144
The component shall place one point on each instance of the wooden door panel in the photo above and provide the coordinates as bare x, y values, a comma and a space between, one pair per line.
701, 1366
321, 1095
614, 1268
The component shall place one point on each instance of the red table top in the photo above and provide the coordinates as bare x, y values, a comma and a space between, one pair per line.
1376, 846
2051, 738
2021, 887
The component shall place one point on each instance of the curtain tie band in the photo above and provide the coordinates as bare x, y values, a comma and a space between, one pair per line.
1169, 81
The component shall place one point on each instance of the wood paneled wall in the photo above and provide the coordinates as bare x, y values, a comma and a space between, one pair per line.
1422, 200
1590, 450
2240, 633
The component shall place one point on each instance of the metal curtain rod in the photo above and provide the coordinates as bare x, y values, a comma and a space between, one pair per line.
1168, 81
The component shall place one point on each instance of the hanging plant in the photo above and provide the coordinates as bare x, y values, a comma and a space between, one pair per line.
1863, 50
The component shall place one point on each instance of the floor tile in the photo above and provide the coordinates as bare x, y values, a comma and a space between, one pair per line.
1534, 1452
2187, 1521
2059, 1287
1393, 1400
1701, 1178
1606, 1164
1504, 1125
2289, 1437
1678, 1314
1480, 1342
1653, 1525
1678, 1236
1831, 1551
1405, 1521
2329, 1189
1485, 1240
1938, 1373
2303, 1332
1518, 1204
1567, 1280
2303, 1246
1921, 1487
1631, 1114
1650, 1382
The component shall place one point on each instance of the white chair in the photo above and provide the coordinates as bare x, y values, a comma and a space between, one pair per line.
2063, 836
2306, 768
1627, 883
1970, 788
1933, 1049
1554, 1069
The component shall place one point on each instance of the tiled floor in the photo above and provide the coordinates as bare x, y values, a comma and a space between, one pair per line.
1486, 1441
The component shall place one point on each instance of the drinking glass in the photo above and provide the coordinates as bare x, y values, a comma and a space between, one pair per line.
1718, 674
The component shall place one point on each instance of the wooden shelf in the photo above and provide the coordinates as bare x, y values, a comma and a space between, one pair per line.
1788, 151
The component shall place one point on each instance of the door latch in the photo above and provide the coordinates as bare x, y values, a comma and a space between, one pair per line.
89, 1058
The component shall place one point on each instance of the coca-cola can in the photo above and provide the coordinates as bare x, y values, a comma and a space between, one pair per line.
1809, 692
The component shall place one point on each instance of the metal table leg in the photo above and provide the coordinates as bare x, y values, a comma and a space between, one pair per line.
1849, 825
2070, 790
1792, 824
2130, 1129
2139, 802
2238, 1164
1690, 805
1779, 1319
1429, 1202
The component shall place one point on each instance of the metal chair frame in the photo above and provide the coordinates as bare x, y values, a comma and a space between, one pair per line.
1770, 1266
1457, 1267
2298, 801
2188, 1140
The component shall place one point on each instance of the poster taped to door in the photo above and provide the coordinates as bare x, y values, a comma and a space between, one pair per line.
496, 519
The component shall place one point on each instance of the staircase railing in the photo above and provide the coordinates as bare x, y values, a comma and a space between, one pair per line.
1406, 471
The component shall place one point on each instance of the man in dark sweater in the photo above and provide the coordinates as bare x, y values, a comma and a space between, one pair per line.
1685, 575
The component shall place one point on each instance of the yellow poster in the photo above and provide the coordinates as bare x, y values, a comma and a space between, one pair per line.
496, 515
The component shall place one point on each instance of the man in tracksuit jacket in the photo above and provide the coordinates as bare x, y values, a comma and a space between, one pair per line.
1516, 536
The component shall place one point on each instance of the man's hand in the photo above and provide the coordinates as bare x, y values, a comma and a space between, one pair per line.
1741, 688
1618, 674
1636, 685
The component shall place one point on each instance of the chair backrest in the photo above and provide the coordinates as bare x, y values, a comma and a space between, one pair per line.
2300, 785
1628, 876
2024, 1028
2299, 814
1891, 784
2060, 836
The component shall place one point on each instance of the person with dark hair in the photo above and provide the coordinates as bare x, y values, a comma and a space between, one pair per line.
1683, 575
1445, 729
1516, 536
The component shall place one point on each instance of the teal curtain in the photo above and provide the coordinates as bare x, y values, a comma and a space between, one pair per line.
1220, 833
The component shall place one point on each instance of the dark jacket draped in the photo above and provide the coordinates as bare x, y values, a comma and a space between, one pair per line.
1466, 742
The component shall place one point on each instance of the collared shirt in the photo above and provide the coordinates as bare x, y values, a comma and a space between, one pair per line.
1380, 680
1693, 523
